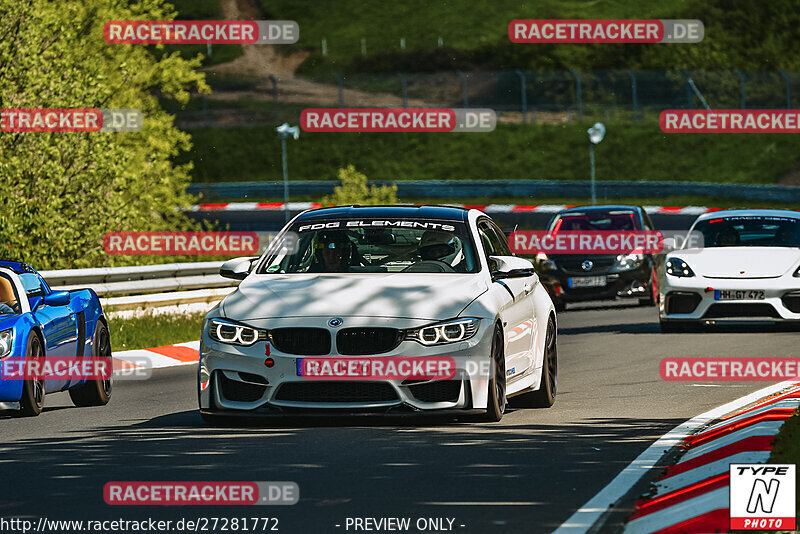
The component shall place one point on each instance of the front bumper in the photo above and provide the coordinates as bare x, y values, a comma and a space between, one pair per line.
693, 299
235, 380
626, 284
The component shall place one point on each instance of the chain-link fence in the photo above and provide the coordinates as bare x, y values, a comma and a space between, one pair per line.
518, 96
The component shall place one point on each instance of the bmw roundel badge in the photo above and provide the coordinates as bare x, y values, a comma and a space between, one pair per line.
335, 322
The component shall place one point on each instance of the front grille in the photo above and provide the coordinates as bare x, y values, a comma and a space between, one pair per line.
792, 301
572, 265
236, 391
301, 341
677, 302
343, 391
729, 310
360, 341
438, 391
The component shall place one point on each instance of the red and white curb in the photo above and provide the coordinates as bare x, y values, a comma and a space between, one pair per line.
692, 495
158, 357
487, 208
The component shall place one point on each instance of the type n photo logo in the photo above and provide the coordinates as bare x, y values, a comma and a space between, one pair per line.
762, 496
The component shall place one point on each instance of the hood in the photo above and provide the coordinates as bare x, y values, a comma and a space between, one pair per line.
742, 262
430, 296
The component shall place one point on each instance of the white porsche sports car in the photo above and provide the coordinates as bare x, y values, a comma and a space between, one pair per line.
747, 270
380, 284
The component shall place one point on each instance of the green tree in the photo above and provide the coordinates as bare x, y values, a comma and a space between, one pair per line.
354, 190
61, 192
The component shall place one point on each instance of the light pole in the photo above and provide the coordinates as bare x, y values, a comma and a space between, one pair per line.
596, 134
284, 131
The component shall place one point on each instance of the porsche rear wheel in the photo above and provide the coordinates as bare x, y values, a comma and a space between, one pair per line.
496, 401
32, 401
95, 392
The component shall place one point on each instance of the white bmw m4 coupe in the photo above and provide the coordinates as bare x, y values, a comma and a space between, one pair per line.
382, 310
747, 270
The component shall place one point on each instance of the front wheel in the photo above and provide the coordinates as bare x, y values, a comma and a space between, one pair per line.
496, 402
96, 392
32, 401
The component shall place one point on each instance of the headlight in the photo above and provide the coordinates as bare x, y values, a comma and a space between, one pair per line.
628, 262
6, 337
234, 333
546, 263
678, 267
442, 333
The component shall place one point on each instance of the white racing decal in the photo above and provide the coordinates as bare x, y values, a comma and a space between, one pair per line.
423, 225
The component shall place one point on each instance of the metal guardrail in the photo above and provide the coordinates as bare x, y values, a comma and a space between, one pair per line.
453, 189
142, 279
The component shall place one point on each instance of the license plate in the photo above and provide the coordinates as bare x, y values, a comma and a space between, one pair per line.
587, 281
738, 294
299, 366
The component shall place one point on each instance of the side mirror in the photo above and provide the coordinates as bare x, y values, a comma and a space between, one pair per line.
511, 267
237, 268
57, 298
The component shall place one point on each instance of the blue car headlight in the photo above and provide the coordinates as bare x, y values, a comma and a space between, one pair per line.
442, 333
678, 267
6, 341
234, 333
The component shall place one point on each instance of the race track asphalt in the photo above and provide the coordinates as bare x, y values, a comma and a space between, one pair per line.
527, 473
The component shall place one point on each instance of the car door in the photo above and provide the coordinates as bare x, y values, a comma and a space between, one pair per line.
518, 319
58, 323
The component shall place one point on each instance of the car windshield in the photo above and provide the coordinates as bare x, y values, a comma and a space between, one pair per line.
750, 231
595, 220
374, 246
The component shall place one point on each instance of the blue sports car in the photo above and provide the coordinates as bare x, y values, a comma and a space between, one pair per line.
37, 323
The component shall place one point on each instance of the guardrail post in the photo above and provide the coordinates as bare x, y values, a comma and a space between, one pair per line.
403, 88
363, 46
324, 47
464, 88
579, 96
634, 96
743, 81
340, 85
524, 96
692, 88
788, 89
274, 81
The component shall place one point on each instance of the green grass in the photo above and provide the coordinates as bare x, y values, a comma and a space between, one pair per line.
202, 10
154, 330
462, 24
637, 151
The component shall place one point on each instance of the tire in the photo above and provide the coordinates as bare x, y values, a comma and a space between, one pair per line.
31, 403
496, 400
652, 290
545, 396
95, 392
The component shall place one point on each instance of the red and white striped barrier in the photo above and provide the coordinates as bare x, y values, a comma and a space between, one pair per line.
692, 495
158, 357
488, 208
